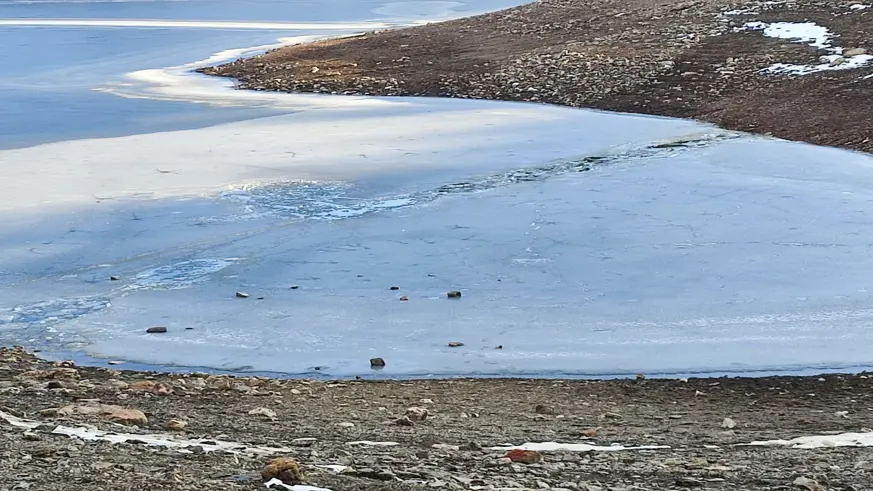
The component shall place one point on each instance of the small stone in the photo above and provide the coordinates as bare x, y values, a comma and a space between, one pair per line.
455, 344
242, 295
114, 278
263, 411
404, 421
294, 287
855, 52
54, 384
347, 425
499, 346
394, 288
284, 469
156, 330
377, 363
842, 414
404, 298
176, 425
114, 362
808, 484
474, 446
728, 424
640, 377
525, 456
454, 294
838, 61
544, 409
416, 413
589, 433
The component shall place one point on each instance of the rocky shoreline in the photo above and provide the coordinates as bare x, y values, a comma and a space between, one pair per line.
703, 59
152, 431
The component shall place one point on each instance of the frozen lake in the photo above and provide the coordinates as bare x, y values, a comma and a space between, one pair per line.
584, 243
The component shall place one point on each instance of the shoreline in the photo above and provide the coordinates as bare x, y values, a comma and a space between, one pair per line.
701, 63
192, 431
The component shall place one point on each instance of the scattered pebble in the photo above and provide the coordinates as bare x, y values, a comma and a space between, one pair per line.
404, 298
395, 288
416, 413
263, 411
242, 295
156, 330
114, 278
544, 409
455, 344
454, 294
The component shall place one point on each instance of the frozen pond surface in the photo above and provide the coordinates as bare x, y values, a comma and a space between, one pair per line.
584, 243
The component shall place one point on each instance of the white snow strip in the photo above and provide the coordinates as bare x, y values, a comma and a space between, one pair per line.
814, 35
852, 62
277, 484
859, 6
802, 32
193, 24
575, 447
335, 468
373, 444
155, 439
821, 441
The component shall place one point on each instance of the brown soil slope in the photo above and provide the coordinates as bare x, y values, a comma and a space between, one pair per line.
665, 57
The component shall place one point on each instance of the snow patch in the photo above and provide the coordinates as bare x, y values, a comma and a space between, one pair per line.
859, 6
821, 441
814, 35
277, 484
574, 447
155, 439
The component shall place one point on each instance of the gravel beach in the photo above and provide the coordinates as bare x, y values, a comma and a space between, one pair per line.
195, 432
710, 60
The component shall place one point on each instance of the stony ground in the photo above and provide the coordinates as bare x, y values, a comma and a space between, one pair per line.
667, 57
316, 421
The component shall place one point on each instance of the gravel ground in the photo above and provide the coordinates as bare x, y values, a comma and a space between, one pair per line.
314, 422
666, 57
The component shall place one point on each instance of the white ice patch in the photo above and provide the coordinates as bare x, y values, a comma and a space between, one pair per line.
152, 440
574, 447
368, 443
859, 6
277, 484
180, 275
814, 35
821, 441
184, 24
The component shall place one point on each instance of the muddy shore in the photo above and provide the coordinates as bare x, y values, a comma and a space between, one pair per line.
687, 59
223, 431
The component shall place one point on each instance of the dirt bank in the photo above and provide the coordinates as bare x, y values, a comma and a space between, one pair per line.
689, 59
314, 422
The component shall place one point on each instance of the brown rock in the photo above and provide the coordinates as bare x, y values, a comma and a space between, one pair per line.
455, 344
590, 432
377, 363
404, 298
855, 52
117, 414
284, 469
525, 456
